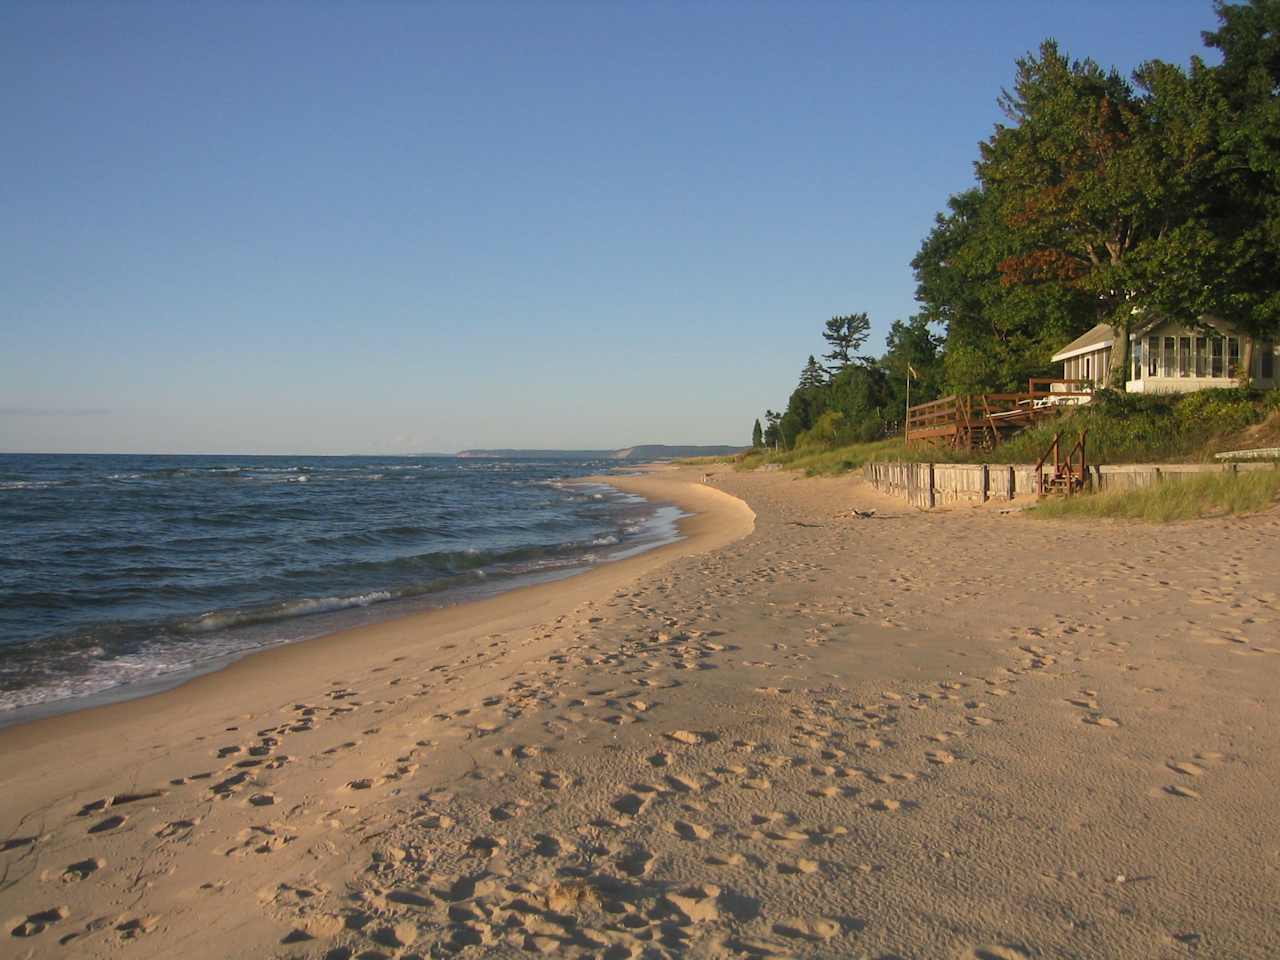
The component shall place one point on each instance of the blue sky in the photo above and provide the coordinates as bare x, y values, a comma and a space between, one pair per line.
403, 227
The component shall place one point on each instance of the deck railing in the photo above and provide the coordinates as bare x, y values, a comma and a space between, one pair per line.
984, 419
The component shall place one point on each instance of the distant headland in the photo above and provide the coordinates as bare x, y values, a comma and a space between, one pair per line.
648, 451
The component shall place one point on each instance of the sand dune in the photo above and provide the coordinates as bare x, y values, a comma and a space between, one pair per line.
796, 733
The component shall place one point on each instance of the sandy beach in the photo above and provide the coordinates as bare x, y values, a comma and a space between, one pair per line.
796, 732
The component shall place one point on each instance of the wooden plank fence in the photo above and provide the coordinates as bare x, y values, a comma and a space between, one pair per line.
928, 485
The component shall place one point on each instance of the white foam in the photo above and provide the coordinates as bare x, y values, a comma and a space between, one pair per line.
221, 619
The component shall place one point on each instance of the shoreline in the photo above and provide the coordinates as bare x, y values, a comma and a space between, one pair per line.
230, 684
343, 620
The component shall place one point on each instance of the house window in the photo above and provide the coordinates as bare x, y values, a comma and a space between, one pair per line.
1153, 356
1184, 356
1168, 356
1137, 359
1268, 361
1233, 356
1215, 368
1202, 357
1088, 368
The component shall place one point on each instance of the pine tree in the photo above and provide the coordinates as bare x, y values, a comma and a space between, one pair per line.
757, 435
845, 336
812, 375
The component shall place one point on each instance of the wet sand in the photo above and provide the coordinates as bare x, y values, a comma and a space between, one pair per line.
794, 733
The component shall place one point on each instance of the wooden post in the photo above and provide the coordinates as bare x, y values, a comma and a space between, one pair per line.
986, 482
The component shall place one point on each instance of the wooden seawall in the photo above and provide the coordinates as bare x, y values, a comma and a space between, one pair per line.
928, 485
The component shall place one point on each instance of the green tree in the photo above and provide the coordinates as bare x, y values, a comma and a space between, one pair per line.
757, 435
1093, 205
861, 394
996, 335
1079, 183
772, 433
845, 336
911, 348
1245, 224
812, 376
807, 402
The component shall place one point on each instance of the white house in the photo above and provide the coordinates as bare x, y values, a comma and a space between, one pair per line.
1170, 357
1088, 356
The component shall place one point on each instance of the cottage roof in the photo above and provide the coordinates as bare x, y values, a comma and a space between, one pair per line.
1102, 335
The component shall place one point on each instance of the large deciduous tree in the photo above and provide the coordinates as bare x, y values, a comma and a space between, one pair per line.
1080, 182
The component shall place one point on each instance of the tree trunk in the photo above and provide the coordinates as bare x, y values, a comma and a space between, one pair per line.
1246, 362
1118, 375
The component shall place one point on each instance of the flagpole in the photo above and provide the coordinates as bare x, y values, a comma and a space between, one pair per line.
906, 417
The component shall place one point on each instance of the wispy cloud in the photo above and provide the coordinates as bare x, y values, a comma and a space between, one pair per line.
53, 411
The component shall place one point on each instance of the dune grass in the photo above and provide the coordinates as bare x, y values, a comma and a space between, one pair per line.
1204, 495
824, 461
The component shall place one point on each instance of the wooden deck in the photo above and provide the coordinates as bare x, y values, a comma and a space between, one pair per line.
984, 420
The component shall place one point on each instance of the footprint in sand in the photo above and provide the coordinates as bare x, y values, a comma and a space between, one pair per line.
997, 952
801, 866
38, 922
137, 927
110, 823
1186, 767
636, 862
683, 783
84, 868
552, 780
631, 804
817, 930
175, 827
118, 800
885, 806
690, 738
690, 831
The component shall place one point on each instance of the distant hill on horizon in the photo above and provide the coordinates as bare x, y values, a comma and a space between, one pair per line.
647, 451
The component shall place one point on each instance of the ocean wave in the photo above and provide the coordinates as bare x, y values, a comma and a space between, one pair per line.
135, 566
287, 610
31, 484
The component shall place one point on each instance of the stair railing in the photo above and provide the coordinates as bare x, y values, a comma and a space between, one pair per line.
1071, 470
1052, 449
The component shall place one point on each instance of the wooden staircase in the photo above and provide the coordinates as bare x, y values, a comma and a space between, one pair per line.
1066, 478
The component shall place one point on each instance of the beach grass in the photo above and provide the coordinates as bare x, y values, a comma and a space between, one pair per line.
822, 460
1206, 495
